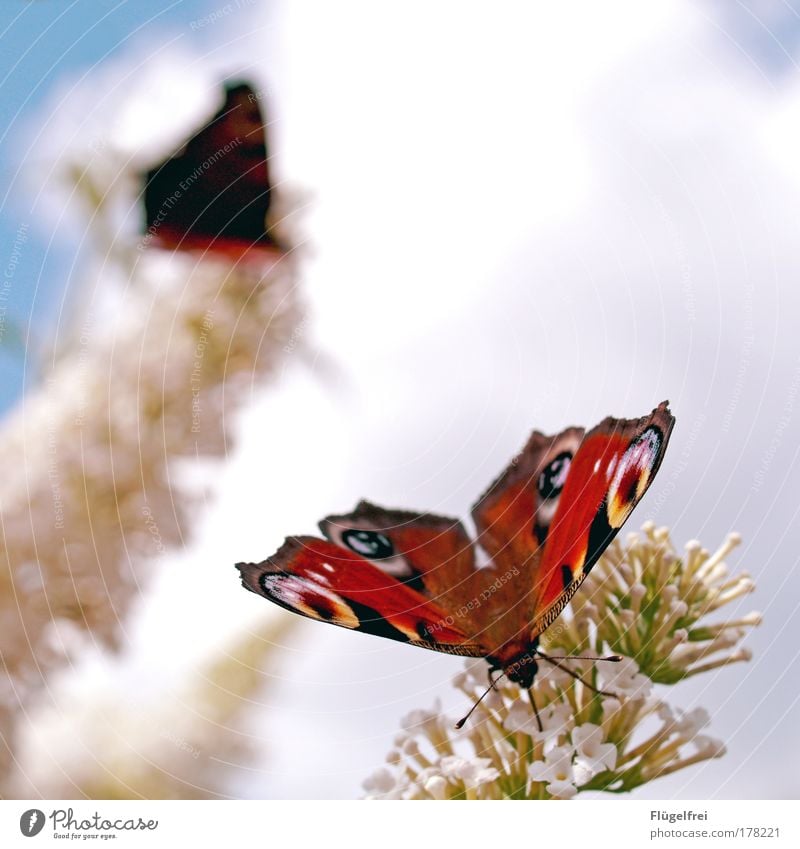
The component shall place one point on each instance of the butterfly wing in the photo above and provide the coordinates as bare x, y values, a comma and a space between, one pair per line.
321, 580
431, 554
214, 192
513, 516
609, 473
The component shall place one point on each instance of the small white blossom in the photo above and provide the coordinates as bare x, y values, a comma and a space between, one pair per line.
549, 673
436, 787
665, 713
561, 789
394, 757
472, 772
520, 718
708, 746
611, 707
556, 719
474, 674
592, 754
556, 770
623, 678
692, 721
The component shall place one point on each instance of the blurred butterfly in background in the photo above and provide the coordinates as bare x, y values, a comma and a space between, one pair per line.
414, 577
214, 192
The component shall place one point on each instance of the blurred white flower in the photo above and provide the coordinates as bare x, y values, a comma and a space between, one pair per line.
380, 784
709, 747
418, 721
472, 772
93, 739
692, 721
436, 787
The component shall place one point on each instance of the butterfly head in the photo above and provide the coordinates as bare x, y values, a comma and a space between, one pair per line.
522, 671
519, 661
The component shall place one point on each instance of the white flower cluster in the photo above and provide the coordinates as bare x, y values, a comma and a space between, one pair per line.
644, 600
588, 740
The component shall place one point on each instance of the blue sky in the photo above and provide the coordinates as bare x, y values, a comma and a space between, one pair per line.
43, 42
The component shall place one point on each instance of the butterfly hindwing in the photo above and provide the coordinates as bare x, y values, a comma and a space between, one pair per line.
321, 580
513, 516
427, 552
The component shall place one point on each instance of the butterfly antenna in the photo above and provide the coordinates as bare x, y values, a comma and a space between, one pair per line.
612, 658
535, 709
461, 722
615, 658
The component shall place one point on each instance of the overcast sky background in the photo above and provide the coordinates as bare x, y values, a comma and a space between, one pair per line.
532, 216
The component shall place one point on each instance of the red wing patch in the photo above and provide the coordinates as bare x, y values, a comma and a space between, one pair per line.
323, 581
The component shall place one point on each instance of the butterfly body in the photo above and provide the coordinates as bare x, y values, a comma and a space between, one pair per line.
416, 578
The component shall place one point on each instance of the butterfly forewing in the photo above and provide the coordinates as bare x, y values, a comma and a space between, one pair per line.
610, 473
323, 581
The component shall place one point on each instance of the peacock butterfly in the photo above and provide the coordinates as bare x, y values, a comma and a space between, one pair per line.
214, 192
415, 578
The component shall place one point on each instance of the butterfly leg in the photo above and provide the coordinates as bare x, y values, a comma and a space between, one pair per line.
575, 675
493, 681
535, 709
